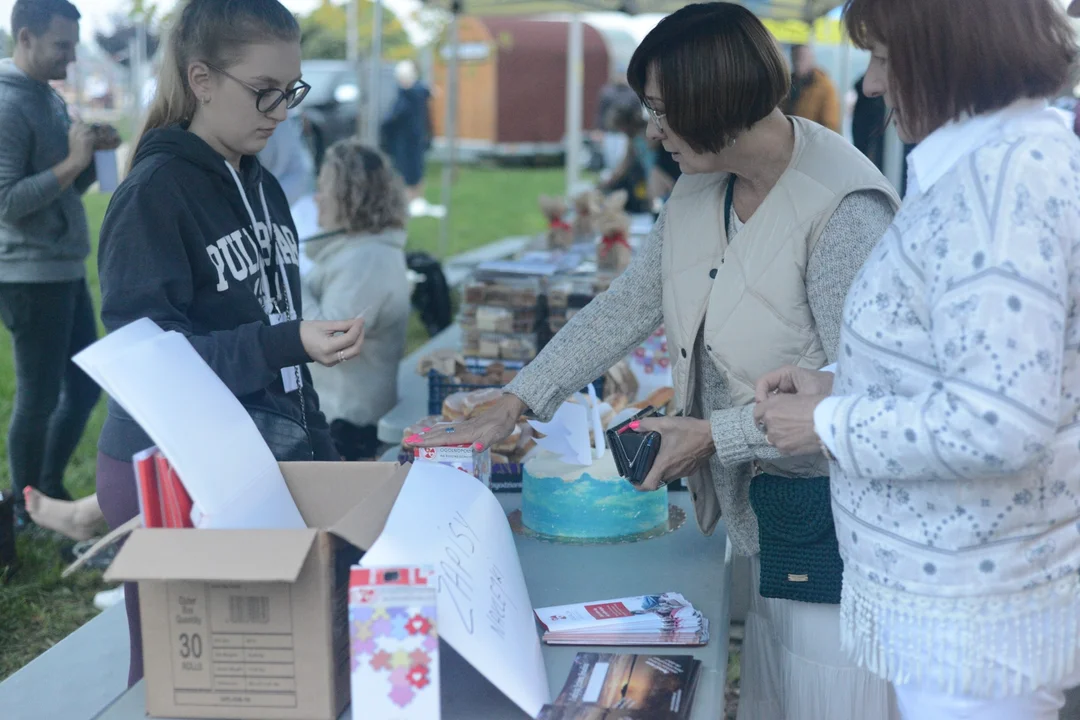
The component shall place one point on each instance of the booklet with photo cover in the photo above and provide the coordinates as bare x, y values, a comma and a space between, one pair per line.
666, 619
586, 711
653, 687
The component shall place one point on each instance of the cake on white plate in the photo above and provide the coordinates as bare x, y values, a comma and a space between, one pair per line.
563, 500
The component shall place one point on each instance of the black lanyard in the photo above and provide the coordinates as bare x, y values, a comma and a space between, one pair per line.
729, 202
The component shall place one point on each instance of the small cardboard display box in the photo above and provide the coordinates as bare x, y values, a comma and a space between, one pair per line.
254, 623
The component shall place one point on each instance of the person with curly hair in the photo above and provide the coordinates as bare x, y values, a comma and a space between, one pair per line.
359, 269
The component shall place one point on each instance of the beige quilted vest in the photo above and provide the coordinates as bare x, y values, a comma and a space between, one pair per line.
751, 296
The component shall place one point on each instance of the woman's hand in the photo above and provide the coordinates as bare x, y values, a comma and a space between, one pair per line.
796, 380
788, 422
486, 429
332, 343
685, 443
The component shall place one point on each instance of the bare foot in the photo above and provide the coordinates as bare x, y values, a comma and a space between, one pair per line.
78, 520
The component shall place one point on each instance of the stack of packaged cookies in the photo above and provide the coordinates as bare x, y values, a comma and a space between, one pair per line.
499, 318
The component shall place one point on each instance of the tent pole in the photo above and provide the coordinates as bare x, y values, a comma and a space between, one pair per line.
575, 71
352, 49
845, 81
374, 96
451, 130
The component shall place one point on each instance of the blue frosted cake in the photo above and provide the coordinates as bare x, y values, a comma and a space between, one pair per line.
586, 503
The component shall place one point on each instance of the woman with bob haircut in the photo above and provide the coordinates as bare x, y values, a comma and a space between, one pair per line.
953, 424
359, 269
749, 263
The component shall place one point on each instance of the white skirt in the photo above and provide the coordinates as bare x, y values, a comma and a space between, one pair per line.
793, 667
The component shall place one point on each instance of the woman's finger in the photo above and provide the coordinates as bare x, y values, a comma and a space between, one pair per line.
442, 435
354, 350
648, 425
764, 386
344, 341
779, 380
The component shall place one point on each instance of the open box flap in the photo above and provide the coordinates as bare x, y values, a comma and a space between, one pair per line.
362, 525
325, 492
213, 555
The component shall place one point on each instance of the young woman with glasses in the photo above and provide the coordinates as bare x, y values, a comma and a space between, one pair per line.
200, 240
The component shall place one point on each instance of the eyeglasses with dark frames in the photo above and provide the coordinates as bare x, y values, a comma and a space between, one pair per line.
268, 99
657, 117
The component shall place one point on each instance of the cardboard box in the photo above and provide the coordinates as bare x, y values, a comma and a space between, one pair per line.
254, 623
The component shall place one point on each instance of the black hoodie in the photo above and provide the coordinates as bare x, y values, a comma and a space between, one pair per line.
178, 247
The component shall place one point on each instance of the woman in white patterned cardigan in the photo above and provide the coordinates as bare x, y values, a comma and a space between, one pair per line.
953, 424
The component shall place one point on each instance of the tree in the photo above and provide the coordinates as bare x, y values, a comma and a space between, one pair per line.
117, 43
323, 33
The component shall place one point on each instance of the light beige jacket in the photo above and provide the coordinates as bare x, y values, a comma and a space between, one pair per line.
751, 295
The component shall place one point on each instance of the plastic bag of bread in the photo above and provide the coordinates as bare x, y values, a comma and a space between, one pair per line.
444, 362
469, 403
661, 398
620, 380
508, 445
453, 407
478, 401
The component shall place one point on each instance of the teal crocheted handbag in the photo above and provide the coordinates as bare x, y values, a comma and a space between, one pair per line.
800, 556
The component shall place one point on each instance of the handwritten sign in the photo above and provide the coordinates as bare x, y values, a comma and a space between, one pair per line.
447, 519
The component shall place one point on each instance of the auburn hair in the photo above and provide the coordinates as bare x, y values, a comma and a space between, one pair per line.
949, 58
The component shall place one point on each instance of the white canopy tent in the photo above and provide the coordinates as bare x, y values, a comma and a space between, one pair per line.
804, 10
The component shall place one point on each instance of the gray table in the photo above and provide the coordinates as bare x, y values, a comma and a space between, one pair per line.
684, 561
75, 678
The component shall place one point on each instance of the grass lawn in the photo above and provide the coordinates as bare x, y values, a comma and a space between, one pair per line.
37, 608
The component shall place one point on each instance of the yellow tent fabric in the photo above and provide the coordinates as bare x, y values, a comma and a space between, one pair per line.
790, 10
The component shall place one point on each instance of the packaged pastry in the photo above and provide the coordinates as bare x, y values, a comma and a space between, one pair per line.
517, 347
494, 319
453, 407
475, 293
508, 445
445, 362
488, 345
478, 401
469, 403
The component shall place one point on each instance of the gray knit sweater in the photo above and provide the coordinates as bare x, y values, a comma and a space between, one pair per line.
619, 320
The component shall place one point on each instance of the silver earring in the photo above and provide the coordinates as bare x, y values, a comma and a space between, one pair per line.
206, 101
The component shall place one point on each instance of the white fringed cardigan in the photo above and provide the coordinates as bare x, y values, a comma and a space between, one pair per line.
955, 418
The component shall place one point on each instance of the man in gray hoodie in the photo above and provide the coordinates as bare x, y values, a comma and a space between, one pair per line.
46, 163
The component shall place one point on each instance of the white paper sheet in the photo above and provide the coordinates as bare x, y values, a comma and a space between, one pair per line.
101, 353
599, 441
196, 421
445, 518
567, 435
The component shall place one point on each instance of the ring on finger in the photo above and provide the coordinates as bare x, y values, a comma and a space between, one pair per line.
340, 356
761, 426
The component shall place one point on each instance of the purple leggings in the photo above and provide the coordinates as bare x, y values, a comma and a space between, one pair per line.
119, 501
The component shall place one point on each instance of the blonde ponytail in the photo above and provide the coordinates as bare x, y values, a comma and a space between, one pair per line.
216, 32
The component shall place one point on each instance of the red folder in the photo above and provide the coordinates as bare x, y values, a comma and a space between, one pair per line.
177, 502
151, 506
